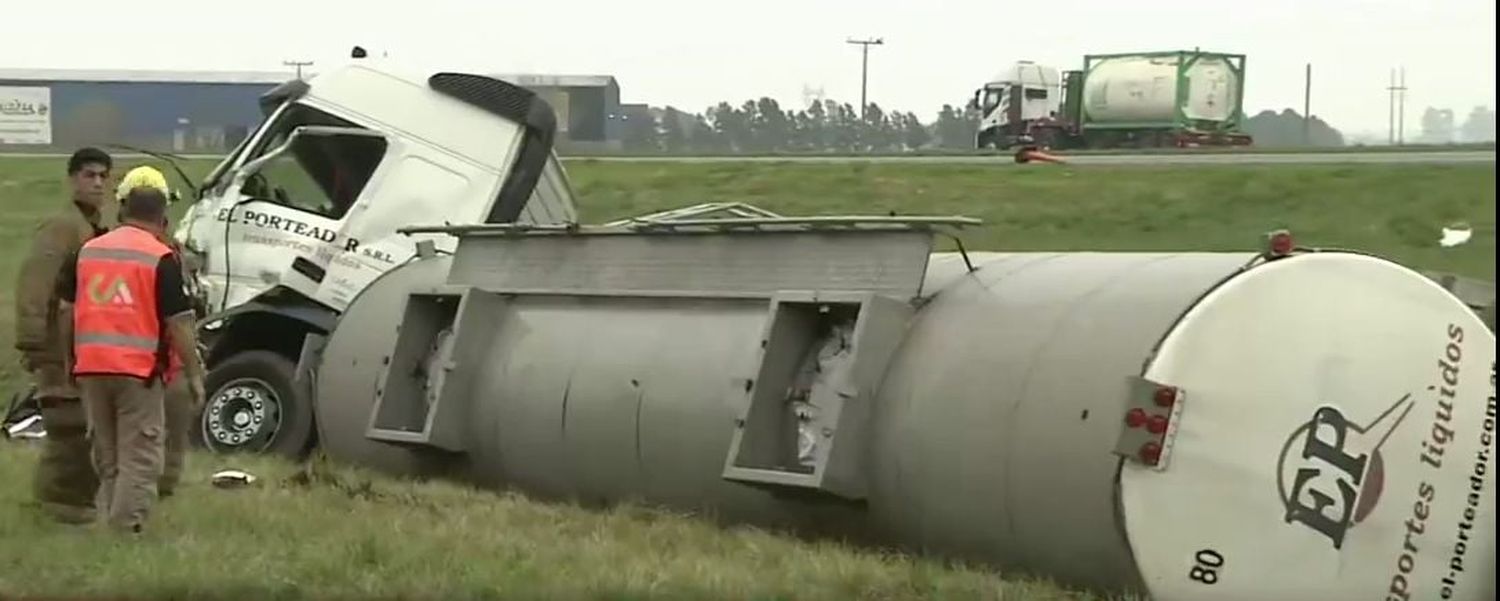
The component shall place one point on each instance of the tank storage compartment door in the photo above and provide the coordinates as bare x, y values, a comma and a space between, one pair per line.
807, 398
839, 292
424, 388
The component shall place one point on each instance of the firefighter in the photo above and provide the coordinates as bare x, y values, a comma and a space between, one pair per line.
181, 405
132, 335
65, 481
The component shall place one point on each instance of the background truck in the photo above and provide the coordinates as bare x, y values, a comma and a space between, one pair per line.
294, 223
1175, 98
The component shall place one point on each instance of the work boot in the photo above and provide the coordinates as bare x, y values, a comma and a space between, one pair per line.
65, 481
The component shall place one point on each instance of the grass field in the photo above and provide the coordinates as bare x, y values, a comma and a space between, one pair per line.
1397, 211
346, 533
321, 533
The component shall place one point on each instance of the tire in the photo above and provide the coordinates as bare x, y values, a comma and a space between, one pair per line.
991, 141
254, 406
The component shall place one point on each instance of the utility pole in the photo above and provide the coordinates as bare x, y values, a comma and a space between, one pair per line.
864, 71
298, 64
1392, 118
1307, 108
1401, 109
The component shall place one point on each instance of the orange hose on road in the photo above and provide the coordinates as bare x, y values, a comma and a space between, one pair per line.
1029, 154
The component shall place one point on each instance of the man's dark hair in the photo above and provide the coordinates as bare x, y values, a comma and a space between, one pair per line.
88, 155
146, 205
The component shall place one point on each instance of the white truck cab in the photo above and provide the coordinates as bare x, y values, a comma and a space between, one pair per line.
300, 217
1022, 93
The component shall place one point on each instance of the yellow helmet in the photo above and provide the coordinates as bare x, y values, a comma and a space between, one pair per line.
144, 176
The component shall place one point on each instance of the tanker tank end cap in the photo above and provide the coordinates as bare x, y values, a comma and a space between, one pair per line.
233, 479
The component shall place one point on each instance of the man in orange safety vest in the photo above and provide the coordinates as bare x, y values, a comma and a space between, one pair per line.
181, 406
129, 314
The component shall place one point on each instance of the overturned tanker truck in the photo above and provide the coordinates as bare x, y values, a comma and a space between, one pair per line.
1279, 424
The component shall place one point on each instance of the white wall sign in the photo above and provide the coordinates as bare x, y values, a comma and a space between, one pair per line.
25, 115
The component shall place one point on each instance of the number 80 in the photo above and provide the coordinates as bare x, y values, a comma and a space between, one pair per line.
1206, 564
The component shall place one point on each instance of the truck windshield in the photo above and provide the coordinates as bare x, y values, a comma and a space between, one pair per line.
992, 98
223, 168
320, 174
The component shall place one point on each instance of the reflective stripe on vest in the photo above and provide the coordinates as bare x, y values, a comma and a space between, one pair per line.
134, 342
115, 325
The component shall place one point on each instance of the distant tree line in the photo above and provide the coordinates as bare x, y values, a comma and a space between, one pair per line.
1438, 126
763, 126
1284, 130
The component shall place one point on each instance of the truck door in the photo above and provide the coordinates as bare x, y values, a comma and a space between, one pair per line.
279, 219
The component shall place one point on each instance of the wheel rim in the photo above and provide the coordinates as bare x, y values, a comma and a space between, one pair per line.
242, 415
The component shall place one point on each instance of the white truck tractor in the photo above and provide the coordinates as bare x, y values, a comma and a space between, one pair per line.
300, 217
1023, 94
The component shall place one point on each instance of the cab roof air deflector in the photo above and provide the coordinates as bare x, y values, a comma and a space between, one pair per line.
517, 104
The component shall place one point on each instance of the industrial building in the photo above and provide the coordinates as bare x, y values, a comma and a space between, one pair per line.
181, 111
211, 111
589, 113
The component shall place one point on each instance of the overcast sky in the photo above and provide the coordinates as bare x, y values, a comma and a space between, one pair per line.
691, 54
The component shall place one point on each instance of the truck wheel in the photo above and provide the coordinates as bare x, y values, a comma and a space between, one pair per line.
253, 406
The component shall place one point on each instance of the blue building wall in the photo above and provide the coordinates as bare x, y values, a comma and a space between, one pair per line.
146, 113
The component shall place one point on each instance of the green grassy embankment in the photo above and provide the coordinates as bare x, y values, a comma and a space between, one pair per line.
341, 531
322, 533
1397, 211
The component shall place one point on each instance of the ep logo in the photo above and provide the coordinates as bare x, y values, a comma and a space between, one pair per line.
1331, 473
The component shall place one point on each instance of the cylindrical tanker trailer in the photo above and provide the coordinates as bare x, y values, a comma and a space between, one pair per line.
1283, 424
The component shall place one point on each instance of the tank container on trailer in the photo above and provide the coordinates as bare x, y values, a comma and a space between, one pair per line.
1195, 425
1163, 90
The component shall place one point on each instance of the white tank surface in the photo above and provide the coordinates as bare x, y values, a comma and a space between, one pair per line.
1351, 400
1143, 88
1196, 426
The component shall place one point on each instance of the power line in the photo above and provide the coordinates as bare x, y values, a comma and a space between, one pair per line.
864, 71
